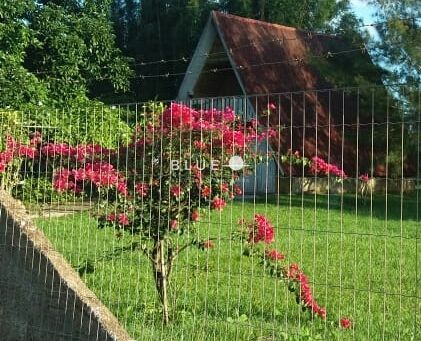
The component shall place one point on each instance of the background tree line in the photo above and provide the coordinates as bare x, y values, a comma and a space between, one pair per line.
68, 51
74, 53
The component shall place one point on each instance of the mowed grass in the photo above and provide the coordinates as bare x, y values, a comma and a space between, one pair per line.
363, 262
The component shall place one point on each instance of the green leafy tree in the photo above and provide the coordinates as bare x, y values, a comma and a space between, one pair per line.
18, 85
307, 14
400, 38
58, 53
399, 50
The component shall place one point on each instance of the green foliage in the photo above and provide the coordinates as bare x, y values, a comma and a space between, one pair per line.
309, 15
97, 124
40, 190
10, 124
400, 38
18, 86
58, 53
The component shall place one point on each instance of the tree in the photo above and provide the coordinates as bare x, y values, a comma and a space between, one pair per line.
18, 86
400, 38
398, 49
309, 14
65, 48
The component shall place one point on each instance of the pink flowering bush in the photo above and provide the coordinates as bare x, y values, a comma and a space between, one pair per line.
158, 184
321, 167
259, 235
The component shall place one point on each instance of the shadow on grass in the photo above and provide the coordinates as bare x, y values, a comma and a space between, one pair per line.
406, 207
87, 266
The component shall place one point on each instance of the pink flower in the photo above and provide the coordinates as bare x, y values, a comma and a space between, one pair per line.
200, 145
2, 167
364, 177
345, 323
111, 217
275, 255
228, 115
237, 190
27, 151
62, 181
122, 188
176, 191
262, 230
294, 273
195, 216
123, 219
57, 149
271, 106
218, 204
174, 224
142, 189
6, 156
320, 166
206, 192
233, 139
224, 187
178, 116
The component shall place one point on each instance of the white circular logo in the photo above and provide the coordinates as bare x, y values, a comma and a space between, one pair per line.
236, 163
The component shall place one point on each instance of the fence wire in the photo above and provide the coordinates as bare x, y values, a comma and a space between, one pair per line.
283, 216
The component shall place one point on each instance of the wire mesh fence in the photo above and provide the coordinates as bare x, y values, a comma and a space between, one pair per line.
282, 216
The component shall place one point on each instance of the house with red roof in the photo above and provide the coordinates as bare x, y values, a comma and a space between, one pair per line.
249, 64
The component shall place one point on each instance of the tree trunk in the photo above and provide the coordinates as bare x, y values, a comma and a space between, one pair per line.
161, 276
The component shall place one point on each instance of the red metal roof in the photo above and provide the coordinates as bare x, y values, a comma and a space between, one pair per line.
272, 59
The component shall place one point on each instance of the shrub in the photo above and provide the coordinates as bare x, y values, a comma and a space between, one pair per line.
96, 124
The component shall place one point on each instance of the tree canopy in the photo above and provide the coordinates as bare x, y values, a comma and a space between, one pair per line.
58, 53
63, 52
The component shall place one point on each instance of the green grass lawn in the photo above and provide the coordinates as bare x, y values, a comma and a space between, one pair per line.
364, 262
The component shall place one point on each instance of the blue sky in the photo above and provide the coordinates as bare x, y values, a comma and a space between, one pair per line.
363, 10
366, 12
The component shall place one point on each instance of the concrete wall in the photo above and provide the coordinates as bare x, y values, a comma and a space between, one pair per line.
322, 185
41, 296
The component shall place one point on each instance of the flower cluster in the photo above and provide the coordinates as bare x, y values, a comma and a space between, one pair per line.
345, 323
274, 255
260, 229
218, 204
219, 122
15, 150
121, 218
320, 166
179, 116
82, 152
295, 275
101, 174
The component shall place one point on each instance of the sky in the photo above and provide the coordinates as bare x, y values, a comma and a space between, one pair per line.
366, 12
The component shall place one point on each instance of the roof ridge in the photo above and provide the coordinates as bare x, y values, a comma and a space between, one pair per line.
216, 14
